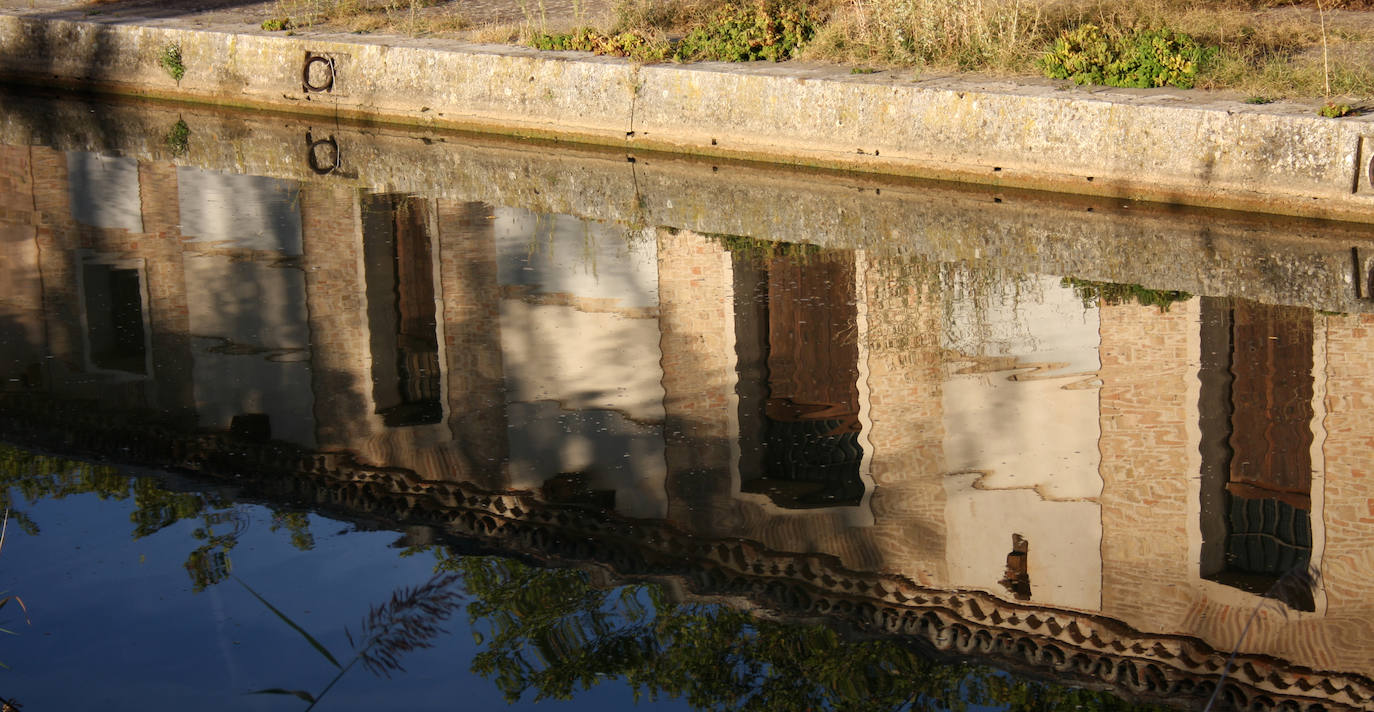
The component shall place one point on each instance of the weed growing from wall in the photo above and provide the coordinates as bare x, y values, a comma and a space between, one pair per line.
170, 60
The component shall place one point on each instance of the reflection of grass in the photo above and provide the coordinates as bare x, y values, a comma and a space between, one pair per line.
6, 596
408, 621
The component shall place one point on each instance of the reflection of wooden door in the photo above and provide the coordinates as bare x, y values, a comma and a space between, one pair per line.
808, 439
1271, 437
812, 350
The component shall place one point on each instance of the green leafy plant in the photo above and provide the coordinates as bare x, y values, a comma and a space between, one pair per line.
636, 45
276, 24
1148, 58
1259, 100
170, 61
767, 30
1332, 110
408, 621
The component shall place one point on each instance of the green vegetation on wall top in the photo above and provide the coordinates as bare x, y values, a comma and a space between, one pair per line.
1148, 58
764, 30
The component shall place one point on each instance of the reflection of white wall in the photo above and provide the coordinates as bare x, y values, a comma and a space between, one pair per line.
561, 254
104, 191
586, 395
1021, 444
251, 344
248, 212
584, 383
1037, 320
1064, 539
1035, 423
582, 360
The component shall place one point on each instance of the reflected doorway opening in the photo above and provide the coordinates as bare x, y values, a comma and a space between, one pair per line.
401, 314
797, 355
114, 311
1255, 406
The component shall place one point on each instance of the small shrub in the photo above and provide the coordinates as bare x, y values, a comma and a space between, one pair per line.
1149, 58
767, 30
276, 24
170, 60
1332, 110
631, 44
1259, 100
1081, 54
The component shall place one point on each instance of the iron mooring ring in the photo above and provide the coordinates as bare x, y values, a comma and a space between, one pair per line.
332, 160
311, 59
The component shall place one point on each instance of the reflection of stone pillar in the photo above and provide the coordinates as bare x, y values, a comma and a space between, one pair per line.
1148, 462
907, 436
21, 301
335, 295
696, 318
471, 325
161, 249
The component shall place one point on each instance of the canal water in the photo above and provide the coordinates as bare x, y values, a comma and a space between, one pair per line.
298, 411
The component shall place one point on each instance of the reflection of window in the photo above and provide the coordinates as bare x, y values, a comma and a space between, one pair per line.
1256, 421
112, 299
400, 310
798, 379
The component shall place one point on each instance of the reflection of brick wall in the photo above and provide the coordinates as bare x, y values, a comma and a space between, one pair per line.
161, 249
21, 300
338, 312
158, 249
696, 317
57, 243
1348, 563
905, 373
1146, 459
471, 327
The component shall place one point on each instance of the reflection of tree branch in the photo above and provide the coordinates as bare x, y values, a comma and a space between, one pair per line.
551, 632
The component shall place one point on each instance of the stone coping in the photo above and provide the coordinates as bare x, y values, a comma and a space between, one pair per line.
1161, 146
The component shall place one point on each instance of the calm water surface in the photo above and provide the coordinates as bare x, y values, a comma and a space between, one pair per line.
476, 425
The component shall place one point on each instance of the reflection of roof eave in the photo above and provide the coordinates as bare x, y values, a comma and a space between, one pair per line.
1094, 650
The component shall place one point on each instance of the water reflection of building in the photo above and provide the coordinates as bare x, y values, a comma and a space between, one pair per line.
1101, 461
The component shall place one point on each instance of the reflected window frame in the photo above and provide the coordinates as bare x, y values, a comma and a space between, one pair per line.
112, 263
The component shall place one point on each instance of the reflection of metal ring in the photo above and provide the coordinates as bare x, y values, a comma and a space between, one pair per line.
322, 154
325, 83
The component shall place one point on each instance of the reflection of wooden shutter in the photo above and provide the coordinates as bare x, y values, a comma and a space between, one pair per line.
812, 350
414, 276
1272, 394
